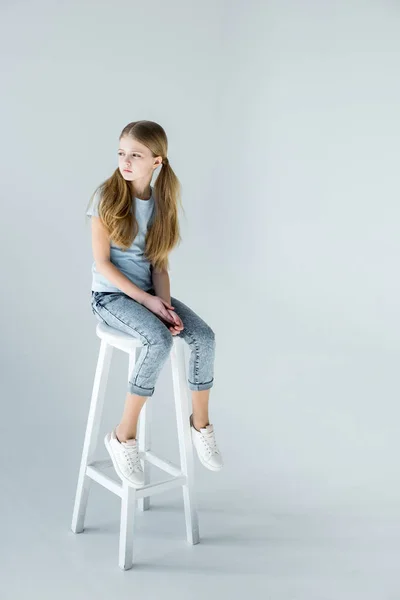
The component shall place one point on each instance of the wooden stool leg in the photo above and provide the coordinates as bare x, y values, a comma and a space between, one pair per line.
126, 537
143, 434
91, 435
145, 445
181, 396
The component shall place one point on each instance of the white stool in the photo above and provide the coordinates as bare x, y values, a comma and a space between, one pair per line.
91, 469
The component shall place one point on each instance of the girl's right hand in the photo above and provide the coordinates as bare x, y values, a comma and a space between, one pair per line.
159, 307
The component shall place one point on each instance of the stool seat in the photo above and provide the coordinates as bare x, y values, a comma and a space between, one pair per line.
93, 470
119, 339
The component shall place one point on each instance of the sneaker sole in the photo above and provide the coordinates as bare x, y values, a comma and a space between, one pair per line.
115, 464
210, 467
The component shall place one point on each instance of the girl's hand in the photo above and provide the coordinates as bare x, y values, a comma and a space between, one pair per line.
178, 326
159, 307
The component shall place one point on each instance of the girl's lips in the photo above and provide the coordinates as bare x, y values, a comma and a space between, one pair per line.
127, 171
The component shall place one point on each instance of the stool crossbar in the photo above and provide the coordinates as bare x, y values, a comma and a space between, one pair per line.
93, 470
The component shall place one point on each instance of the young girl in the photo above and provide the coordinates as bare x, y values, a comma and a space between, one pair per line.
134, 228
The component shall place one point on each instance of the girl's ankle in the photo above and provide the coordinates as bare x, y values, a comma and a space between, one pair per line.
122, 437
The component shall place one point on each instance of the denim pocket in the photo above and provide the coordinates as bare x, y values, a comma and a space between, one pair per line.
103, 298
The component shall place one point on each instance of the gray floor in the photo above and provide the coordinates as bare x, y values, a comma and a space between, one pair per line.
307, 506
270, 545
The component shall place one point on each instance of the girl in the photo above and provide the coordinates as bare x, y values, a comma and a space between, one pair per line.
134, 228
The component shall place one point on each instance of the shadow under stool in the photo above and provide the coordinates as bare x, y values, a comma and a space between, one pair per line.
93, 470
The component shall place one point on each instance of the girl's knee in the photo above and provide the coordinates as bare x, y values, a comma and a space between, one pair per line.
209, 335
163, 339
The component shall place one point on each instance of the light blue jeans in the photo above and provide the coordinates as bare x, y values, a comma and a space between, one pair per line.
122, 312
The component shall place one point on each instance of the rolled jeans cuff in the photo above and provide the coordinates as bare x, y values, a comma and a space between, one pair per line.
198, 387
140, 391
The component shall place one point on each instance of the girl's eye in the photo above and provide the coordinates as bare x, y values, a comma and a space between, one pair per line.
120, 154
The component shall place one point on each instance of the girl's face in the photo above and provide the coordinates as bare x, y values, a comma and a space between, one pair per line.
135, 160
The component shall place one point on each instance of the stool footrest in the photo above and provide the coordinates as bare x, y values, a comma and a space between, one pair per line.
141, 492
161, 463
149, 456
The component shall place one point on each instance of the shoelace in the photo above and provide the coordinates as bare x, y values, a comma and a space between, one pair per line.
132, 455
210, 443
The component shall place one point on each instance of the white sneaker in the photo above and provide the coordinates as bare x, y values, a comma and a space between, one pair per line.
125, 458
206, 446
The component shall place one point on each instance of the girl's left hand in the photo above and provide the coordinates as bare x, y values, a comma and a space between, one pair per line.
178, 325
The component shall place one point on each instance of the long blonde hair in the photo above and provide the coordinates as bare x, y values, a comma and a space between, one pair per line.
116, 200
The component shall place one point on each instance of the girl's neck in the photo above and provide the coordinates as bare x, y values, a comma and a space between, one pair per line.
142, 193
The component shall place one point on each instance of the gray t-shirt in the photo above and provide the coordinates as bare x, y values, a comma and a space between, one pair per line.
131, 262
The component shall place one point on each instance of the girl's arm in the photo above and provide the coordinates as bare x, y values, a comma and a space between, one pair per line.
162, 284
